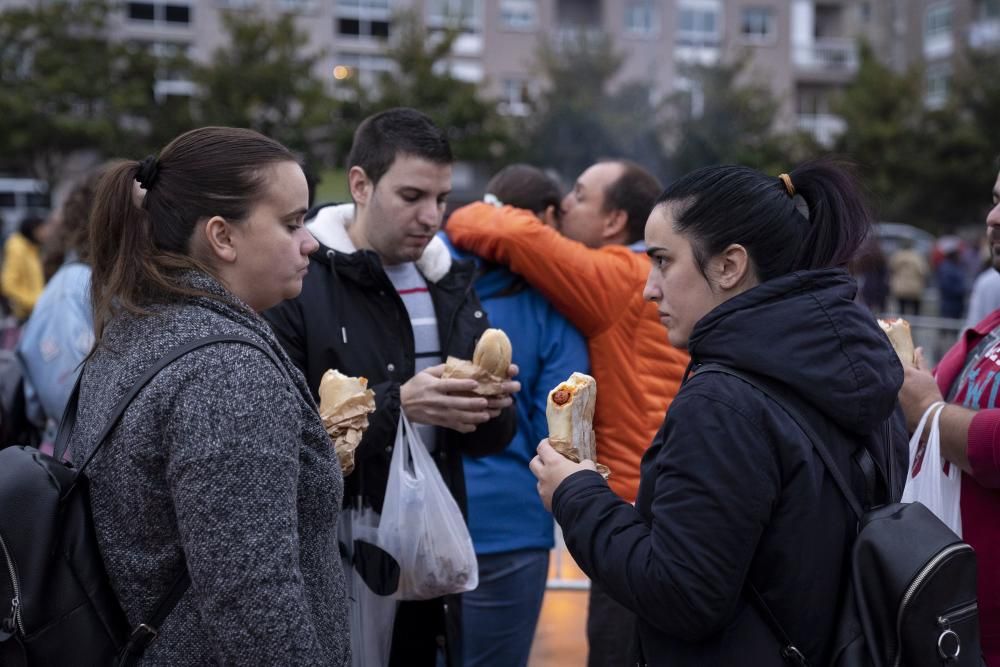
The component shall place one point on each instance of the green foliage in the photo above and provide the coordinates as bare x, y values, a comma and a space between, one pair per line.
263, 79
577, 122
65, 87
734, 123
929, 167
420, 78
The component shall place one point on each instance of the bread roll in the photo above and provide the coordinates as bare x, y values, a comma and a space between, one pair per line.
493, 353
570, 413
898, 331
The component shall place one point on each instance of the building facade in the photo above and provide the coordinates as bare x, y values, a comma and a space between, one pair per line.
806, 50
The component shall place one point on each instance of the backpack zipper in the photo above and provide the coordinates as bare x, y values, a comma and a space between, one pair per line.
15, 611
925, 572
958, 614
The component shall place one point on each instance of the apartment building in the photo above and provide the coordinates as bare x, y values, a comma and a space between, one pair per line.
806, 50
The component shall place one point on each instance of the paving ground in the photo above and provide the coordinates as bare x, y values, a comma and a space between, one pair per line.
561, 639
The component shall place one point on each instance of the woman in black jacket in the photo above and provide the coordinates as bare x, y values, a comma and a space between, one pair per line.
747, 272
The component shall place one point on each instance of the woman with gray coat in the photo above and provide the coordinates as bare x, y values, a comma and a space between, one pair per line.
221, 464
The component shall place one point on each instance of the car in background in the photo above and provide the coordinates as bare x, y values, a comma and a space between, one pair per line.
19, 198
893, 236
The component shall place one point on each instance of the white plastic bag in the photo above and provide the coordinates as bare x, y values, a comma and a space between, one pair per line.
926, 479
371, 614
422, 526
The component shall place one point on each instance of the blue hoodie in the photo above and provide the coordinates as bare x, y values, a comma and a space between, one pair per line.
505, 512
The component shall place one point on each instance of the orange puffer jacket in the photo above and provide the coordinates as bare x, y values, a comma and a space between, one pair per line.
638, 373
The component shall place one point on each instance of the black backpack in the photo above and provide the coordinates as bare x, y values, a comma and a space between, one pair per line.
14, 423
911, 598
57, 606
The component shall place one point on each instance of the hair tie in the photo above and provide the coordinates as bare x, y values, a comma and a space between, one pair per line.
492, 200
149, 168
787, 180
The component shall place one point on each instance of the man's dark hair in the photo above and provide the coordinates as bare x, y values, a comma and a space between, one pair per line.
635, 192
402, 131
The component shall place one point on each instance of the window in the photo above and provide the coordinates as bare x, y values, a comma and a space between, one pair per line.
519, 14
141, 11
349, 27
38, 200
442, 13
987, 9
361, 65
641, 17
155, 12
363, 4
938, 21
514, 97
698, 22
936, 85
758, 24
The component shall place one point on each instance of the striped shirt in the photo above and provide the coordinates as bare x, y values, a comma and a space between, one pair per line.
412, 289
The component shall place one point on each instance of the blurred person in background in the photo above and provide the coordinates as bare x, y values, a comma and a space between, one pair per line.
908, 274
60, 332
511, 530
871, 270
592, 268
950, 277
968, 378
22, 278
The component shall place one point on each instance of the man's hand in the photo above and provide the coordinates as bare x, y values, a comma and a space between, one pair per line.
450, 403
918, 392
551, 468
496, 404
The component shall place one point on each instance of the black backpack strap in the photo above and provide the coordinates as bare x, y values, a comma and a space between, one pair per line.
144, 634
789, 652
798, 418
69, 416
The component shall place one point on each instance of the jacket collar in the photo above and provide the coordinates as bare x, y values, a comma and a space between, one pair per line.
330, 228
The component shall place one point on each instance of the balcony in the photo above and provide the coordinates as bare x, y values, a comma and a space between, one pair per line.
828, 55
824, 127
984, 33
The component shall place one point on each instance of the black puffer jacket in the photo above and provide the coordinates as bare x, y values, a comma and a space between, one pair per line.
349, 317
731, 488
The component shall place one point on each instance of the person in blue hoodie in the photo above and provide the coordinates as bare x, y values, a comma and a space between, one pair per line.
511, 530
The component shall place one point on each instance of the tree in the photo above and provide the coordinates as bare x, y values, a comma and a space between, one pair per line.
883, 112
728, 118
65, 87
263, 79
577, 121
420, 78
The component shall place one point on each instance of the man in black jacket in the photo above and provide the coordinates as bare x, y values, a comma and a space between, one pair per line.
383, 299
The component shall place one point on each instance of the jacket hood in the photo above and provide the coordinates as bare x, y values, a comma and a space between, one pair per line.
492, 280
805, 331
330, 225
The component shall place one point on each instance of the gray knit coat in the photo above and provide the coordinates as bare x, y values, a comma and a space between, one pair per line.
222, 464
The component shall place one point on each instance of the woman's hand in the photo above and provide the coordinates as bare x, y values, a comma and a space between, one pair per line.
551, 468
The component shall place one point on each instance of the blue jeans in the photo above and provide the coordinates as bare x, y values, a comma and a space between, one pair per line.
499, 617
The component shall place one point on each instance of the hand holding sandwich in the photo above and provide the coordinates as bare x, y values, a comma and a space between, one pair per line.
427, 398
551, 468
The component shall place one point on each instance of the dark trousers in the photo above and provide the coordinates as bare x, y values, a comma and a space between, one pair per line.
611, 632
424, 629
